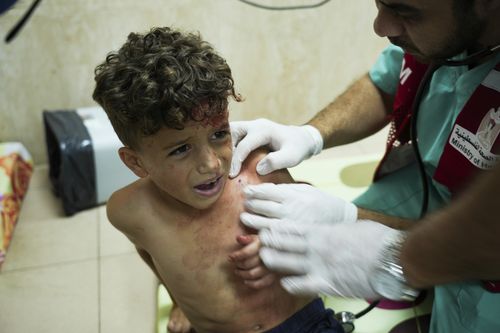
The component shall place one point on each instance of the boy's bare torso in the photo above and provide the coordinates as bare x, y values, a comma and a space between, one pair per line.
189, 251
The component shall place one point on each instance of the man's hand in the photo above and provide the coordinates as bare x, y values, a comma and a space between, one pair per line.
290, 145
269, 204
248, 264
333, 259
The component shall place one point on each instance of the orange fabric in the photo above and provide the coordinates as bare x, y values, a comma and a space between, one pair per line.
15, 174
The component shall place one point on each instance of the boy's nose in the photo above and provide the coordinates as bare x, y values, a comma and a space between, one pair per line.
387, 24
209, 161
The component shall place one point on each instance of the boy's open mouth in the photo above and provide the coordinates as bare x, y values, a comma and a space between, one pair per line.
210, 188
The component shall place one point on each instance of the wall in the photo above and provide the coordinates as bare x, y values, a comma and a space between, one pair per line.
287, 64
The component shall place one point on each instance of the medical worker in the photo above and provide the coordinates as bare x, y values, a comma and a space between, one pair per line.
455, 247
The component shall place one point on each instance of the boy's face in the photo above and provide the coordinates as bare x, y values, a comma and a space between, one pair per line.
189, 165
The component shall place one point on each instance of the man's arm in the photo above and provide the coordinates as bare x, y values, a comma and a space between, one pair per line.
357, 113
459, 242
390, 221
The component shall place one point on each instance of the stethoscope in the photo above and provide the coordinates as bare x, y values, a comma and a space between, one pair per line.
347, 318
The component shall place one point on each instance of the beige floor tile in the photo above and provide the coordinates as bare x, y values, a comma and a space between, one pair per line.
53, 241
112, 241
128, 295
40, 204
52, 299
40, 177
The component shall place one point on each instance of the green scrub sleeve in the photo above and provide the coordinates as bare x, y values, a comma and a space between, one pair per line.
385, 72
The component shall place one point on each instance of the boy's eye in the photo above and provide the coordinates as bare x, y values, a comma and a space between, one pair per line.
179, 150
221, 134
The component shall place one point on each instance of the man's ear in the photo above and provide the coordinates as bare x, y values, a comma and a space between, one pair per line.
132, 161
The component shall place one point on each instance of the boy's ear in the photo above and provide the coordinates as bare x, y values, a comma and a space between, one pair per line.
132, 161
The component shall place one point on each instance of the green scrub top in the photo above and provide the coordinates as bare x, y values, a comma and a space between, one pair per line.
458, 307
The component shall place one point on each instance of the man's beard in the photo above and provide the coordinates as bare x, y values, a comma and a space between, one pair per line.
467, 32
463, 37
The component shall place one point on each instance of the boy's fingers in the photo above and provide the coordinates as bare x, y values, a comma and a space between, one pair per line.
266, 281
252, 274
249, 263
250, 250
246, 239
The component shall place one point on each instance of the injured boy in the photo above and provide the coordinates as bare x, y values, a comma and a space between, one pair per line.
166, 94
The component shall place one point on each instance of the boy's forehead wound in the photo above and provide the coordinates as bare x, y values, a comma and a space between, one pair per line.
218, 119
203, 115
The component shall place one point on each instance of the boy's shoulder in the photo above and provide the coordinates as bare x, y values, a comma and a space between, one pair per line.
126, 205
248, 169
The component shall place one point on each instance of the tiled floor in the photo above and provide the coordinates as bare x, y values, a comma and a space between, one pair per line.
79, 274
72, 274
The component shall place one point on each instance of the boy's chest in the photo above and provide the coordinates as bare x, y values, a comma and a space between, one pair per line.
209, 243
198, 242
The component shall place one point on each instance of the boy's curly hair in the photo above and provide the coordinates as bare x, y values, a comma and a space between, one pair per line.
162, 78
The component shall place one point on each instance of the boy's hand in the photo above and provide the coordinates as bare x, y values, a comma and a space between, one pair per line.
248, 264
177, 321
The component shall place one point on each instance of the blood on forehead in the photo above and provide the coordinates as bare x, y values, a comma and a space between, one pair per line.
207, 117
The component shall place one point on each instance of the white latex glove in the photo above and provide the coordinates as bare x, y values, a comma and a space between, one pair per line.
290, 145
267, 204
336, 259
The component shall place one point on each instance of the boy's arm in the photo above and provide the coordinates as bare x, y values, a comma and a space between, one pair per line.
118, 213
177, 320
147, 259
118, 210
